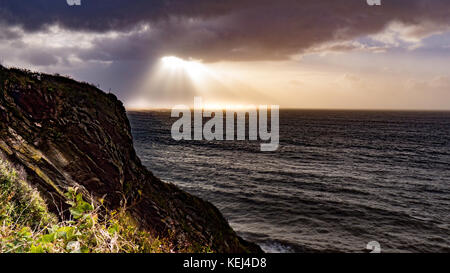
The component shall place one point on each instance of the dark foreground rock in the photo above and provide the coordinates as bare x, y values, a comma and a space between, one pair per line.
70, 134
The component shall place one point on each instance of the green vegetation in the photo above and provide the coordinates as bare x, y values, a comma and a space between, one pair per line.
26, 225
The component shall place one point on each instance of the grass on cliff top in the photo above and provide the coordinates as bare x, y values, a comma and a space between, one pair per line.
26, 225
81, 93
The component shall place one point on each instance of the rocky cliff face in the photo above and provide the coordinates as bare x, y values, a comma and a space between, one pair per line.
70, 134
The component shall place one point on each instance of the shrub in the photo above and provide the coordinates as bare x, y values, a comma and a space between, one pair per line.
27, 226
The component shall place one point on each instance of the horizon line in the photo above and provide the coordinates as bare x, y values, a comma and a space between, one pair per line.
130, 109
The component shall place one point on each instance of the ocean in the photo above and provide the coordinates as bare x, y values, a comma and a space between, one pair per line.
339, 180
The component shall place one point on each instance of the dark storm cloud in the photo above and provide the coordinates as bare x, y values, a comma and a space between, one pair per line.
103, 15
222, 29
278, 29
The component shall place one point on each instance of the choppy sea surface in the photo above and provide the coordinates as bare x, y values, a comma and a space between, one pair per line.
339, 179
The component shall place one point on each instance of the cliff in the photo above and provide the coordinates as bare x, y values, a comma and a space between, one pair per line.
66, 134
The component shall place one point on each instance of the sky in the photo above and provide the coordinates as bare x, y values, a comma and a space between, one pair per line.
297, 54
